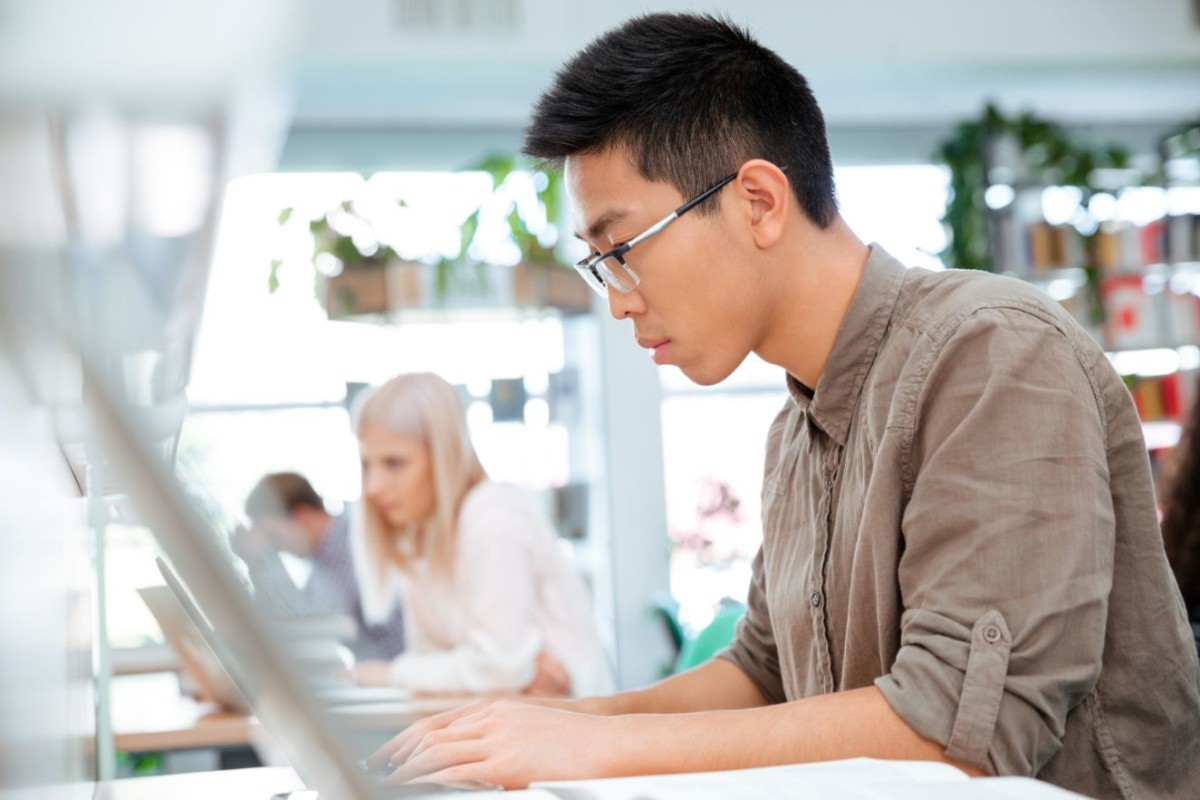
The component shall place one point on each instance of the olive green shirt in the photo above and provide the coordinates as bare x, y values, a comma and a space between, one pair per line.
961, 514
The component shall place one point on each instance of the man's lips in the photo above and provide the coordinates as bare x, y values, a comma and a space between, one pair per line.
658, 348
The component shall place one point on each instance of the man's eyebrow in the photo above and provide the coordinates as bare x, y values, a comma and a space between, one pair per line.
597, 228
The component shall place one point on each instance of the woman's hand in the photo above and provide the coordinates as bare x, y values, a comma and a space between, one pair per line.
551, 680
372, 673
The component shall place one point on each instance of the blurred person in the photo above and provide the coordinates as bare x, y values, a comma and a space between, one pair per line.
288, 516
492, 604
961, 560
1181, 516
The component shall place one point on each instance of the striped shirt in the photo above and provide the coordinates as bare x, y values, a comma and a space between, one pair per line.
331, 589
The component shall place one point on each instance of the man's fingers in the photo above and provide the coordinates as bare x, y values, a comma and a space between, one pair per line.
383, 755
464, 730
397, 749
435, 760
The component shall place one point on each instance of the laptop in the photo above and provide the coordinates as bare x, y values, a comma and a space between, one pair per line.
195, 655
253, 654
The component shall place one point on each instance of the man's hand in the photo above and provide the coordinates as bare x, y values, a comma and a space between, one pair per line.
397, 749
249, 543
506, 743
512, 742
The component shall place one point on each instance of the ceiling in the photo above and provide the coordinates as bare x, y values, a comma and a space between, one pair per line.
372, 84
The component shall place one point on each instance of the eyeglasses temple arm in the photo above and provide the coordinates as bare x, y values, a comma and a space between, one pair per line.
707, 193
653, 229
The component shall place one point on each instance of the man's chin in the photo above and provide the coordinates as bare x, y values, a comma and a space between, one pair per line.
705, 374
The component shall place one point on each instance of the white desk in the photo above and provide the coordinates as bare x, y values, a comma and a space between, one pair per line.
233, 784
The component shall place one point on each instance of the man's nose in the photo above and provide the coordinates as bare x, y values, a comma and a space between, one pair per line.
622, 304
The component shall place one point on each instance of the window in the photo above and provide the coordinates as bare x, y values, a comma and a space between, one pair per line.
271, 374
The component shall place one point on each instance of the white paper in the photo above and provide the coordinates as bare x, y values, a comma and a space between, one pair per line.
852, 779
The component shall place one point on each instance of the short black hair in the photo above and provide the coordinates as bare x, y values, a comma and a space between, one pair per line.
690, 97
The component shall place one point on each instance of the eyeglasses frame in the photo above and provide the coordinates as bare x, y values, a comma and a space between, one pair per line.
587, 267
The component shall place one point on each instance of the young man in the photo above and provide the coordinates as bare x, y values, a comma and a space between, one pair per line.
961, 559
287, 515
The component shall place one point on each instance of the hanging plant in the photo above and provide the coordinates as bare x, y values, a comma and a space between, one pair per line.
1046, 151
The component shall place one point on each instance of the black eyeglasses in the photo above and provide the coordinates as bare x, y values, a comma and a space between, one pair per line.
603, 270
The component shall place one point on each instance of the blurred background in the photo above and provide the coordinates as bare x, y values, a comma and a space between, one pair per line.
244, 213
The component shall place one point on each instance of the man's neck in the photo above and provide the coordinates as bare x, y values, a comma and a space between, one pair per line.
818, 275
319, 530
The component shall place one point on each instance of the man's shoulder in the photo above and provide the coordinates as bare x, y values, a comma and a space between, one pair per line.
335, 547
937, 304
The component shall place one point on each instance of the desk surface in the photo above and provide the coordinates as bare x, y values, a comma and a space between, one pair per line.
149, 714
233, 784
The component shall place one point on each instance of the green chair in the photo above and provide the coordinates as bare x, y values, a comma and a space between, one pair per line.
665, 608
712, 639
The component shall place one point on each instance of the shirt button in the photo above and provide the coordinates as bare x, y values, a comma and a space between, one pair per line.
815, 599
829, 482
991, 634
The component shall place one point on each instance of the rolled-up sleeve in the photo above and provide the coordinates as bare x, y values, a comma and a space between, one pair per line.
753, 650
1008, 544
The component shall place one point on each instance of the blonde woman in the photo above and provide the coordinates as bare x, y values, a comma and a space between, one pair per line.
491, 604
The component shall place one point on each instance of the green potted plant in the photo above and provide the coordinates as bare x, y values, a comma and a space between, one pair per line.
353, 278
359, 275
539, 279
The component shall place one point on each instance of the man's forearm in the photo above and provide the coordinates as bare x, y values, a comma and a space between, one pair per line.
828, 727
717, 684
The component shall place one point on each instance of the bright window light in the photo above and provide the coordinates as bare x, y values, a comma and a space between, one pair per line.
900, 207
1146, 363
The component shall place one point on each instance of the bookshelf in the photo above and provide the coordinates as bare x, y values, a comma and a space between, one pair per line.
1113, 237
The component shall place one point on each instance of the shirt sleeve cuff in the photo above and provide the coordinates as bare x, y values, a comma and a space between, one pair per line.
948, 684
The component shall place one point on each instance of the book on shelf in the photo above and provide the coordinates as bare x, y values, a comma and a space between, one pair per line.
1162, 397
1182, 238
1118, 247
1131, 319
1054, 247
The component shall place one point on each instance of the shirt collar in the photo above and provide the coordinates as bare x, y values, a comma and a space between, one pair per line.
857, 342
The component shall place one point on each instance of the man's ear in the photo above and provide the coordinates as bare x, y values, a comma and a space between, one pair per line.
765, 189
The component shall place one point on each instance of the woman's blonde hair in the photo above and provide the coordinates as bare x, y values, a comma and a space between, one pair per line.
424, 407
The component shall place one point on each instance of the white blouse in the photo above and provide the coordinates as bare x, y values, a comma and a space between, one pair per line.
513, 595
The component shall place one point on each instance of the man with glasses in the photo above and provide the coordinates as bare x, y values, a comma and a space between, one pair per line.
961, 558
